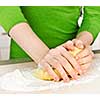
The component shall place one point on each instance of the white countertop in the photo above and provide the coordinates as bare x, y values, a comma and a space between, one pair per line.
92, 86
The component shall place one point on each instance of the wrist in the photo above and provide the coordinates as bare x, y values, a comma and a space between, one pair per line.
85, 37
42, 55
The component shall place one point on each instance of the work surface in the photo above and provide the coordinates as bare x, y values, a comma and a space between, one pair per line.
17, 78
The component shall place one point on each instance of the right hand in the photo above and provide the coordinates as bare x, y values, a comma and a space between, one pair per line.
60, 59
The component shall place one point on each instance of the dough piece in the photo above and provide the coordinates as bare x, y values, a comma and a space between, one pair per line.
75, 51
41, 74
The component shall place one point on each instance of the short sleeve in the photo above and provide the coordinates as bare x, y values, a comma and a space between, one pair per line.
91, 20
9, 16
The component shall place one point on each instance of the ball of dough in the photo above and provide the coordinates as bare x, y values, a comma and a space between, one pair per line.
41, 74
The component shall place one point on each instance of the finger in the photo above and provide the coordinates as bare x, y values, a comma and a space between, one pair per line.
83, 53
55, 64
69, 45
85, 67
67, 67
92, 54
50, 71
78, 43
71, 59
85, 59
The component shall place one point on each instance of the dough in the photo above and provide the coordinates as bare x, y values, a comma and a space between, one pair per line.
75, 51
41, 74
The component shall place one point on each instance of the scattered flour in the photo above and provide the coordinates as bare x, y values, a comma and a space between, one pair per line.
23, 80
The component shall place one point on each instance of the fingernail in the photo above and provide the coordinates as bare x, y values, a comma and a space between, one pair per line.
56, 79
75, 77
78, 76
76, 73
66, 80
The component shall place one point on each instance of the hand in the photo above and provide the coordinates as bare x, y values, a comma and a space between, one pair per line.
84, 58
83, 39
69, 45
60, 59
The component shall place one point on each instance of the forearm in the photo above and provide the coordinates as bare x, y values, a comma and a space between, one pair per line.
85, 37
28, 41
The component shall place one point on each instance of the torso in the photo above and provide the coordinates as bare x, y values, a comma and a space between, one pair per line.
53, 25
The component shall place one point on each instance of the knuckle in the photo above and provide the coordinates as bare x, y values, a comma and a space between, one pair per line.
80, 41
60, 48
74, 40
42, 62
47, 56
54, 63
69, 42
54, 51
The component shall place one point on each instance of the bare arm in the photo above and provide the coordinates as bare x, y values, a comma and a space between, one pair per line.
28, 41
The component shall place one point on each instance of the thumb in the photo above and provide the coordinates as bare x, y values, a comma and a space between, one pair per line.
78, 43
69, 45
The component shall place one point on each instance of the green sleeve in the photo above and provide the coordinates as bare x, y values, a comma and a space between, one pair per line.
9, 16
91, 20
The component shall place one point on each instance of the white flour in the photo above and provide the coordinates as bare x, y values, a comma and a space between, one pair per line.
23, 80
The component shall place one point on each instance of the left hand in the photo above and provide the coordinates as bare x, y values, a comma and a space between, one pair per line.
84, 58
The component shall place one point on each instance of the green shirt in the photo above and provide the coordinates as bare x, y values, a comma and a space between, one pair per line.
54, 25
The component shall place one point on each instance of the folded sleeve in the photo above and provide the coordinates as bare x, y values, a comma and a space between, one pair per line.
9, 16
91, 20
